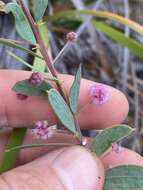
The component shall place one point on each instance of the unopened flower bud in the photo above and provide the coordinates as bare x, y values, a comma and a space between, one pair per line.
71, 36
21, 96
36, 78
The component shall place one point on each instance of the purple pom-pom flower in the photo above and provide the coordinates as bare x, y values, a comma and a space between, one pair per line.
99, 94
43, 131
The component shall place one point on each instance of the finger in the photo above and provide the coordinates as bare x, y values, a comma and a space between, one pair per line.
65, 169
16, 113
123, 156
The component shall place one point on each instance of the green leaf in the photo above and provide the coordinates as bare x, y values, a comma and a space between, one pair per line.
74, 91
118, 36
20, 60
38, 64
22, 25
99, 14
39, 8
13, 44
124, 178
61, 109
26, 88
107, 137
9, 160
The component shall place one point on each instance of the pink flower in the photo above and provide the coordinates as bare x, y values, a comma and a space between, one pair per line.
42, 130
99, 94
71, 36
36, 78
21, 96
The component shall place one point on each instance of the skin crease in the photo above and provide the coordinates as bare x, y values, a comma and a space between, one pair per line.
65, 168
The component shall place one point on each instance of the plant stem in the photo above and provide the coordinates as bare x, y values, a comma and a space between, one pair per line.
45, 54
43, 48
60, 53
37, 146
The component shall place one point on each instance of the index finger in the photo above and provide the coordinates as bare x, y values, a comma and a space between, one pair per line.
16, 113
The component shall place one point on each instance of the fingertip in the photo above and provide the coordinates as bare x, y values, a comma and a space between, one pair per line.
111, 112
123, 157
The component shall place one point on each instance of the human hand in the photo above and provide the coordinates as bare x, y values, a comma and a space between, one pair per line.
63, 168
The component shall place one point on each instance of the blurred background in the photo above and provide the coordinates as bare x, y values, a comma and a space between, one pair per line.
102, 53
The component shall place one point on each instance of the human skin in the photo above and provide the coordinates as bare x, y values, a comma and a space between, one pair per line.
66, 168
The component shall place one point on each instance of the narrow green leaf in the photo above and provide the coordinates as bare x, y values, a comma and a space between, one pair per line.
10, 158
100, 14
20, 60
26, 88
39, 8
13, 44
38, 64
107, 137
22, 25
26, 146
124, 178
119, 37
61, 109
74, 91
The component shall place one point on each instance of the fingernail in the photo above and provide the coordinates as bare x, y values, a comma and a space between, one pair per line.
78, 169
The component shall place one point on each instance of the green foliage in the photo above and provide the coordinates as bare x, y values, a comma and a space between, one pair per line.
115, 34
39, 7
26, 88
124, 178
38, 64
99, 14
22, 24
74, 91
13, 44
61, 109
119, 37
107, 137
16, 139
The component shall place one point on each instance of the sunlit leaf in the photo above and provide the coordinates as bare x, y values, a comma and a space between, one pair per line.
74, 91
124, 178
22, 24
38, 64
39, 7
61, 109
107, 137
26, 88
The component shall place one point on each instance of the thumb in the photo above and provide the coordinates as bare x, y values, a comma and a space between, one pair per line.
71, 168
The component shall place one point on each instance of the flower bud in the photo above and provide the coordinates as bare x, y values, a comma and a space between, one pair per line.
71, 36
36, 78
21, 96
